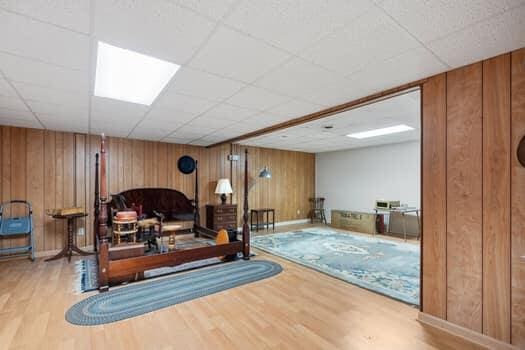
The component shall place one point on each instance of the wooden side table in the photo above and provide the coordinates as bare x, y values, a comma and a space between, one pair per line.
267, 222
70, 246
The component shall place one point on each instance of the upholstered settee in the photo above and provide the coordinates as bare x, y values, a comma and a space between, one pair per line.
172, 204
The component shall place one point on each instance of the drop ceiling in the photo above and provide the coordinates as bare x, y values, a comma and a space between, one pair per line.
245, 64
330, 133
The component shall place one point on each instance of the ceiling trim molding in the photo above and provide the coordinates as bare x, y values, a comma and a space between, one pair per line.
399, 90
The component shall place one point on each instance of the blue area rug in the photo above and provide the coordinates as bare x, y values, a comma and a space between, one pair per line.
383, 266
138, 299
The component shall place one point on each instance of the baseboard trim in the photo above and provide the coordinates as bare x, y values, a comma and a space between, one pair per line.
284, 223
464, 333
292, 222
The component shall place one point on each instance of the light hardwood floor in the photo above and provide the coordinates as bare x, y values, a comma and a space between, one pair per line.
298, 309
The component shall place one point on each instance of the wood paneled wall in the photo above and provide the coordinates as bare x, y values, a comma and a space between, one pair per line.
56, 169
287, 168
517, 198
473, 197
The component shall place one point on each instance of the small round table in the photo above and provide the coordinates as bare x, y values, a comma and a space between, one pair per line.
70, 246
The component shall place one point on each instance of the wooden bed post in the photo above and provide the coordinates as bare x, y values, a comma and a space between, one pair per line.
245, 227
197, 215
96, 204
103, 263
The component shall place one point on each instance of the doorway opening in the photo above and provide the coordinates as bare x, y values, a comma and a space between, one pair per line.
365, 221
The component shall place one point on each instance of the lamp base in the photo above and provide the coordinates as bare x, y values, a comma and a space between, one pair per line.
223, 198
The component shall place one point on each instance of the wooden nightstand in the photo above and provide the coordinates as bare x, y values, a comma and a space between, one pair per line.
221, 216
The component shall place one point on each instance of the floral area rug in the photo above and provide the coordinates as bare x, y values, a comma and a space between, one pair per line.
383, 266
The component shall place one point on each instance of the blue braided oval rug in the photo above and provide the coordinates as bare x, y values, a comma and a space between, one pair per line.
142, 298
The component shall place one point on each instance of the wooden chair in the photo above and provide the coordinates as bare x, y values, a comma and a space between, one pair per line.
317, 211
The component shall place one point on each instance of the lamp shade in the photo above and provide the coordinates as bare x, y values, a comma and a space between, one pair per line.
223, 187
265, 173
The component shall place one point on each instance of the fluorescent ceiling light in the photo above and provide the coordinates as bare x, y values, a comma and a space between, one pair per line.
379, 132
130, 76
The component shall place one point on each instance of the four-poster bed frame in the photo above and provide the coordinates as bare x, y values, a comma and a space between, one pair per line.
118, 269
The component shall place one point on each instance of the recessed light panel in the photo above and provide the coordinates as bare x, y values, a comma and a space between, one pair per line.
380, 132
130, 76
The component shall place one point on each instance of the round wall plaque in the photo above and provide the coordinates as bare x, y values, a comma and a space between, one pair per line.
521, 151
186, 164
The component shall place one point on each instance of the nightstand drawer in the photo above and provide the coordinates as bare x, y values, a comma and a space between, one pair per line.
223, 209
225, 218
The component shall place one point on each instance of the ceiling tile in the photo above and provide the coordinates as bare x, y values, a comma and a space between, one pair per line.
115, 131
12, 102
123, 115
257, 98
65, 124
203, 85
239, 128
294, 24
225, 133
163, 115
48, 43
179, 140
22, 123
215, 9
194, 130
225, 113
158, 28
30, 71
6, 89
16, 114
184, 103
432, 19
200, 143
237, 56
334, 93
55, 96
372, 37
260, 121
405, 68
212, 138
212, 123
150, 132
489, 38
294, 109
58, 111
70, 14
296, 78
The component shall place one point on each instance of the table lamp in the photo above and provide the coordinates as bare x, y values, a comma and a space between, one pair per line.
223, 188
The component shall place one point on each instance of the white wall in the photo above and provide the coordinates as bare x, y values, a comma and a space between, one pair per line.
354, 179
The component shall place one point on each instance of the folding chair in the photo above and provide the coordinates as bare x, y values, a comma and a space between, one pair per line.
12, 226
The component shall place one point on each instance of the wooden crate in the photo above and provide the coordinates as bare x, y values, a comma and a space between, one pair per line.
354, 221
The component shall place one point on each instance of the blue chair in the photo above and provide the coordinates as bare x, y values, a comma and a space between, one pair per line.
17, 226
